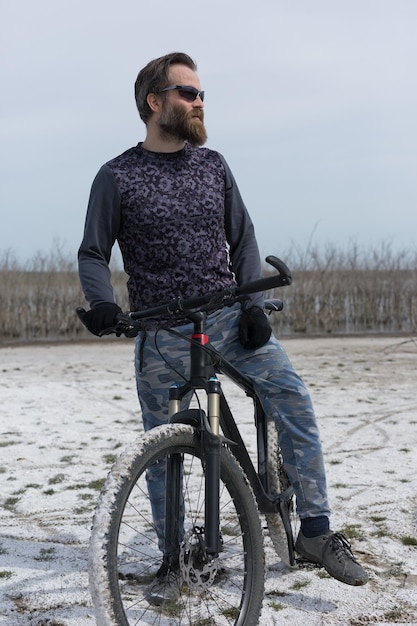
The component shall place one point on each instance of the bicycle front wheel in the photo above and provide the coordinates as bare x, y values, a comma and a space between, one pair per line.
124, 553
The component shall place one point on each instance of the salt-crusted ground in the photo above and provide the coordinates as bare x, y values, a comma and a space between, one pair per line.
68, 409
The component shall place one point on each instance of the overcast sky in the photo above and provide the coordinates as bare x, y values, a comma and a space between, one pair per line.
312, 102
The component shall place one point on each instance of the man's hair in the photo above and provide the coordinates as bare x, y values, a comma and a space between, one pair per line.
154, 77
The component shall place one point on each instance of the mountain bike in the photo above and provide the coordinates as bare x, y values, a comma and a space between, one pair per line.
214, 495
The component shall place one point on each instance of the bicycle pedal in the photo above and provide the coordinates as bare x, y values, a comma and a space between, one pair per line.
306, 564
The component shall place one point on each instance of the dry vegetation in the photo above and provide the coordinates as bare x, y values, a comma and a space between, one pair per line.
333, 291
38, 300
350, 291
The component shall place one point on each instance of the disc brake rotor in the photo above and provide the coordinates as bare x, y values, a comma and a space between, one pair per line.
197, 568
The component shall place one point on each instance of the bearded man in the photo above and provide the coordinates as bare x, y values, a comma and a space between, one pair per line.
184, 231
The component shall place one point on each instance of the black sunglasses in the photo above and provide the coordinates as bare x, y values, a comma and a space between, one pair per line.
186, 92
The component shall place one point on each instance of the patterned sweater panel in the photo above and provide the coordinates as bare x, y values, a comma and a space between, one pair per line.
172, 229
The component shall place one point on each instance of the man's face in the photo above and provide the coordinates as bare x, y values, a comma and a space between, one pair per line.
179, 118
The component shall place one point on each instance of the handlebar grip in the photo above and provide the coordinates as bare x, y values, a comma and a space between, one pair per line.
279, 265
281, 279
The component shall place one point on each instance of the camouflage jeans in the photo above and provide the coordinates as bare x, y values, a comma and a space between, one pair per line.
281, 391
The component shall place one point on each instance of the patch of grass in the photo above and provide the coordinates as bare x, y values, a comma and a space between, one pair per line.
231, 613
49, 492
405, 450
96, 484
381, 532
46, 554
33, 486
277, 606
11, 502
67, 458
280, 594
55, 480
6, 574
408, 540
378, 518
5, 444
353, 531
86, 496
299, 584
109, 458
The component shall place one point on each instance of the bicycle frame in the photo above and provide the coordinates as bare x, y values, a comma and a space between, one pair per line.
205, 362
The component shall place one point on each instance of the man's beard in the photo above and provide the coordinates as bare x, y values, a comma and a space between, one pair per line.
178, 123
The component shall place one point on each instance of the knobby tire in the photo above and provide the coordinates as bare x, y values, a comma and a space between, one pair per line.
124, 554
278, 482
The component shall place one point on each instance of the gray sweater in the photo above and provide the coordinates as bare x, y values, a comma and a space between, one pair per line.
181, 225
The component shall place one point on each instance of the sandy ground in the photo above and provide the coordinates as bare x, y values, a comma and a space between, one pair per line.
67, 410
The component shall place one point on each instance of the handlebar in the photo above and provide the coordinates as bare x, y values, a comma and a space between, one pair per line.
225, 297
125, 321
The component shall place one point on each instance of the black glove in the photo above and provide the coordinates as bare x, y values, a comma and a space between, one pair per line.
101, 317
254, 328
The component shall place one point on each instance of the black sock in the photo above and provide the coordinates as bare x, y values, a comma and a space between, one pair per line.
315, 526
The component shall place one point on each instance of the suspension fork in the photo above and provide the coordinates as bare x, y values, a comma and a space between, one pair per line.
212, 447
201, 369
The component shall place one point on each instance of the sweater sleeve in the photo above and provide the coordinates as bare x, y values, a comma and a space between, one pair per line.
240, 233
100, 232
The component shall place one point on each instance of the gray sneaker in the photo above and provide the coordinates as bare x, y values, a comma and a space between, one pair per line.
166, 586
333, 552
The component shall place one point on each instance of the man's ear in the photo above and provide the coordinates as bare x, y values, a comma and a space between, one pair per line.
153, 101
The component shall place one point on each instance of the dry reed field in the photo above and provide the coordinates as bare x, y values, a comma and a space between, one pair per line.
333, 292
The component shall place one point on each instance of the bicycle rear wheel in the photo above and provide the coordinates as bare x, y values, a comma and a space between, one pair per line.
279, 482
124, 554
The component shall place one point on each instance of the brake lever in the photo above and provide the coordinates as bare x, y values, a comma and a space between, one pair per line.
124, 326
